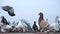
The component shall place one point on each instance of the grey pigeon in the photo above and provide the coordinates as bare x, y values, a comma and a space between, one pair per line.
9, 9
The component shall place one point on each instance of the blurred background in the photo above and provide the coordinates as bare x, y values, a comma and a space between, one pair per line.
29, 10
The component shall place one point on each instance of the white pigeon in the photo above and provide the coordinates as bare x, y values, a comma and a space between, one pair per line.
54, 26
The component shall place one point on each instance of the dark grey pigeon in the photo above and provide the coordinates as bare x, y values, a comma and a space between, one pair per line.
9, 9
4, 20
35, 26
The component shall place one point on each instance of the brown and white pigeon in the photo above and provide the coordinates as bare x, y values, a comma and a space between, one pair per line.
9, 9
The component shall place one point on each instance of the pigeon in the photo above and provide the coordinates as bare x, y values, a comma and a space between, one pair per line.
35, 26
9, 10
4, 21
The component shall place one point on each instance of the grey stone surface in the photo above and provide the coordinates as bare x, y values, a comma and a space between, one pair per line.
26, 33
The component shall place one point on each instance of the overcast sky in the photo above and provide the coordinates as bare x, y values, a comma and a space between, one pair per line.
29, 9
